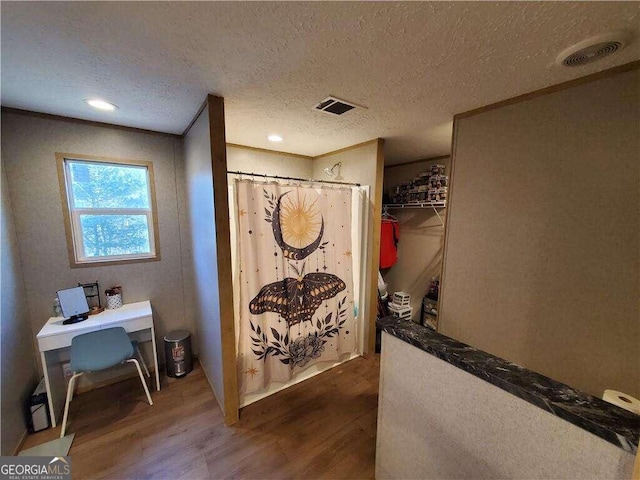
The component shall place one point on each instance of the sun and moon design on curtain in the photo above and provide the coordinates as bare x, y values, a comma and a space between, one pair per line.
296, 281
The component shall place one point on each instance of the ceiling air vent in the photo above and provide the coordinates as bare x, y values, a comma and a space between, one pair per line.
591, 49
335, 106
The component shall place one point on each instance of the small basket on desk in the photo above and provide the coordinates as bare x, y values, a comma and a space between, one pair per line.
114, 297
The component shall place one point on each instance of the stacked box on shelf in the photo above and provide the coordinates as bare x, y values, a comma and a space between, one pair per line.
430, 186
437, 169
438, 194
438, 181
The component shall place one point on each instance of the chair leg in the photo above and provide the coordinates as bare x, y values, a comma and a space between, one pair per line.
66, 404
73, 392
144, 384
144, 364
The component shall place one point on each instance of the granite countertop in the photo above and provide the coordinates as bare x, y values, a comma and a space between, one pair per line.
613, 424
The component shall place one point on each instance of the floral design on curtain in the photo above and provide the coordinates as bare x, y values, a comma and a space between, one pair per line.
296, 283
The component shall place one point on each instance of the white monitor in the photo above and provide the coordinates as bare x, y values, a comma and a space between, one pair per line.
73, 304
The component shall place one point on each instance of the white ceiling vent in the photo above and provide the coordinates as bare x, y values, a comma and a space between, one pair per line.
592, 49
335, 106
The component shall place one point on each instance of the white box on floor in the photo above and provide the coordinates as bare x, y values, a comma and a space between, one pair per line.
38, 409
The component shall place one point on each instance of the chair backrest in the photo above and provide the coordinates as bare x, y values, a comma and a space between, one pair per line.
100, 349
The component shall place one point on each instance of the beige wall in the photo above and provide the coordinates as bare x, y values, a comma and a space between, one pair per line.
268, 163
199, 186
181, 285
29, 144
359, 165
436, 421
19, 375
421, 240
542, 258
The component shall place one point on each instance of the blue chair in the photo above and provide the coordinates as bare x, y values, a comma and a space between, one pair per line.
136, 347
96, 351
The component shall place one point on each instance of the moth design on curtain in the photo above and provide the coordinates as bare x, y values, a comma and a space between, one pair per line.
296, 280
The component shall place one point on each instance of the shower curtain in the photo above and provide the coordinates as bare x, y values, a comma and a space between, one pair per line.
295, 280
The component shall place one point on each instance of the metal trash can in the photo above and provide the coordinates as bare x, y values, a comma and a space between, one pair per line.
177, 352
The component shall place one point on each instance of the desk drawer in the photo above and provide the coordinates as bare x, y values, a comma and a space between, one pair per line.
63, 339
60, 341
134, 325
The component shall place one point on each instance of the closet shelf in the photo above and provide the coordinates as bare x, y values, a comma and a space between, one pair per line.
442, 204
434, 205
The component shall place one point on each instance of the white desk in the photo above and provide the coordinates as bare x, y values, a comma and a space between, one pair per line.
135, 318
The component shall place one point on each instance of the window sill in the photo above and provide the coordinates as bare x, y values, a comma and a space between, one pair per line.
103, 263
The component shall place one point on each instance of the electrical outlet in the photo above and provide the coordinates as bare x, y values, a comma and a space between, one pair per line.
66, 370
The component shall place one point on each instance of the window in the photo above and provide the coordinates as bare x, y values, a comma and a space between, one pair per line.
110, 215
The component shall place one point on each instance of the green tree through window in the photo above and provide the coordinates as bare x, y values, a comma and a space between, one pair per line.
110, 210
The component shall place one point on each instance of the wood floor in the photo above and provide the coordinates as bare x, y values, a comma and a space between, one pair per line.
324, 427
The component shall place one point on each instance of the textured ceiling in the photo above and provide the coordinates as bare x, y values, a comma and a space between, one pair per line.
413, 65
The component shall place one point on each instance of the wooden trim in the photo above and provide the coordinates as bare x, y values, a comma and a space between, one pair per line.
627, 67
358, 145
98, 159
49, 116
65, 209
154, 211
195, 118
422, 160
20, 444
636, 467
266, 150
223, 242
107, 263
375, 253
60, 158
445, 239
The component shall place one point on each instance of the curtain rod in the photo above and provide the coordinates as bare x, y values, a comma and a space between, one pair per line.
230, 172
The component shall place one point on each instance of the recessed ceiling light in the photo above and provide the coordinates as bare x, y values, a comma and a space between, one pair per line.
275, 138
100, 104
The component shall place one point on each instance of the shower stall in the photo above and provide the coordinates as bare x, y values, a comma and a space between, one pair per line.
297, 249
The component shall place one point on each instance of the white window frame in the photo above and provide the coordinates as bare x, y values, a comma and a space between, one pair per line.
75, 242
